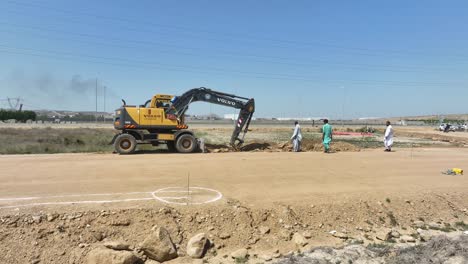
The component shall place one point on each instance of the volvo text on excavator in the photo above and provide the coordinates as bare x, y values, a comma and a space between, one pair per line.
161, 120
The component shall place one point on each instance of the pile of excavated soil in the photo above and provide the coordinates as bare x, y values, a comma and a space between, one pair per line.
308, 145
316, 145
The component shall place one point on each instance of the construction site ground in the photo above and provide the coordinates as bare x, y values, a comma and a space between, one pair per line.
89, 198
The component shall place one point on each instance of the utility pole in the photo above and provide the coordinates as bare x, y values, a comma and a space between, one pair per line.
104, 115
96, 102
343, 106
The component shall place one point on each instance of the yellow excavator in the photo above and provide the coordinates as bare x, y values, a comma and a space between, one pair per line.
161, 120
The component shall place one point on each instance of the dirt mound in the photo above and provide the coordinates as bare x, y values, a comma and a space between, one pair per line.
256, 146
218, 148
308, 145
316, 145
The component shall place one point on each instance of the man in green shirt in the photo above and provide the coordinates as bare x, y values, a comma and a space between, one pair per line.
327, 135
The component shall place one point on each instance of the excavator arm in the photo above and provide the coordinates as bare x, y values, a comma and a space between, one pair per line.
181, 103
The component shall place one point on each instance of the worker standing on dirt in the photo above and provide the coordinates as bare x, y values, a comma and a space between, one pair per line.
327, 135
388, 137
296, 137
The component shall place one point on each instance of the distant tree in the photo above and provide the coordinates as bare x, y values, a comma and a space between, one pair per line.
21, 116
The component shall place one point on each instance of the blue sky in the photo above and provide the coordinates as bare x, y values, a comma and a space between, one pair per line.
296, 58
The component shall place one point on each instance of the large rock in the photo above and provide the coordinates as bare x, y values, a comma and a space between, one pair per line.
108, 256
197, 246
158, 245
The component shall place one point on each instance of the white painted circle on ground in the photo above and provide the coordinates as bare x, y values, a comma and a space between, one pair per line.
187, 196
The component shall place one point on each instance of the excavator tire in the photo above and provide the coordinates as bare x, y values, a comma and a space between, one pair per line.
186, 143
125, 144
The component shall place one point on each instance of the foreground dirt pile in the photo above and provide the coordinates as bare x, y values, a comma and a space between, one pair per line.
229, 233
307, 145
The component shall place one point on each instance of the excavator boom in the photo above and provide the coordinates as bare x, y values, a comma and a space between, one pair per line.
181, 103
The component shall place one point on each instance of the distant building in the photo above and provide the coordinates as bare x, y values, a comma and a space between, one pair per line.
297, 118
231, 116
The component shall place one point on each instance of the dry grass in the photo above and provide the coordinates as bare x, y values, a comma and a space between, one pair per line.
57, 140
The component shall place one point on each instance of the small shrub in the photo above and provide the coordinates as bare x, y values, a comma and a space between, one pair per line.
241, 260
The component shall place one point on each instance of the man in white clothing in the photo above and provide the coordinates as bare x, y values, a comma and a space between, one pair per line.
388, 138
297, 137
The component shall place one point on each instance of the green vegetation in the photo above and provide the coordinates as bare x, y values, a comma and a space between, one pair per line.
446, 228
21, 116
76, 118
461, 225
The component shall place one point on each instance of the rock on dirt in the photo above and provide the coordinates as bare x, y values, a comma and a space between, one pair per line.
108, 256
299, 239
224, 235
240, 254
340, 235
264, 230
197, 246
116, 245
384, 235
307, 234
406, 238
159, 246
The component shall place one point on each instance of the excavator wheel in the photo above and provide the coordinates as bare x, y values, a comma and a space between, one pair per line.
186, 143
125, 144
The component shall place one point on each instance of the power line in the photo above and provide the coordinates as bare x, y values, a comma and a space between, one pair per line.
178, 67
226, 72
250, 37
230, 54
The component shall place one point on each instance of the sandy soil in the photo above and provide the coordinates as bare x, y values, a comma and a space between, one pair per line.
106, 196
254, 178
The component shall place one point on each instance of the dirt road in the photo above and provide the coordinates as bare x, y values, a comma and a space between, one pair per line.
57, 208
256, 179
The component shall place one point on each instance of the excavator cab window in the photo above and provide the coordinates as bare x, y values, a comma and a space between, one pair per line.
145, 105
161, 104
